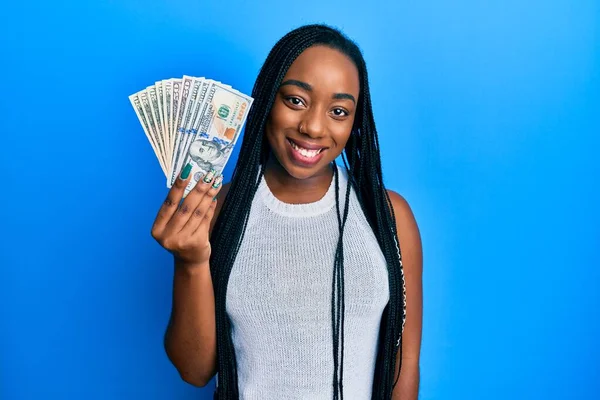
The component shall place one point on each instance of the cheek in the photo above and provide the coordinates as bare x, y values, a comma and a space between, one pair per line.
271, 135
283, 117
280, 119
341, 132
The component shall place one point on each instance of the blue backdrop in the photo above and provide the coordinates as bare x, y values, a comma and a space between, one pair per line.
488, 114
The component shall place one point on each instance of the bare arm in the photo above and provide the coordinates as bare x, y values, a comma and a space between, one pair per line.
190, 337
412, 260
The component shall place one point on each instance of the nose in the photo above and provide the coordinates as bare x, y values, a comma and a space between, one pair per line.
313, 123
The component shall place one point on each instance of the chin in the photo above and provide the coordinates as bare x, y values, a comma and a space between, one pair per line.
303, 174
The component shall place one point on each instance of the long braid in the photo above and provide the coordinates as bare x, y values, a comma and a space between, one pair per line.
342, 292
338, 309
385, 225
377, 207
366, 178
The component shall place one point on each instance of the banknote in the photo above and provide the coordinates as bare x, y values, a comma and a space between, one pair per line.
191, 119
176, 96
182, 104
183, 129
139, 111
160, 98
220, 126
168, 91
147, 109
190, 126
155, 109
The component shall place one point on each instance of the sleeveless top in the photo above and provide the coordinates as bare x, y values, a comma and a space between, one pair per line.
279, 298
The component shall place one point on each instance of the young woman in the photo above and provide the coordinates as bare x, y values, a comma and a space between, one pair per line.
290, 284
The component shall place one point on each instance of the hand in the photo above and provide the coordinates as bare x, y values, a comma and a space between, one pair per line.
183, 229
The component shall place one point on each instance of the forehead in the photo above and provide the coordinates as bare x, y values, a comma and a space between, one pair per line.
326, 69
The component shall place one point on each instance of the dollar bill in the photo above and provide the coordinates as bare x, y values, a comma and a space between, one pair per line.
201, 112
176, 98
193, 101
184, 125
139, 111
160, 96
191, 125
155, 109
220, 126
147, 108
167, 103
183, 103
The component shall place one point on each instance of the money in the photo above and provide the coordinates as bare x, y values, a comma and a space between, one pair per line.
192, 120
160, 111
139, 111
157, 117
220, 126
168, 92
183, 104
174, 107
147, 110
186, 114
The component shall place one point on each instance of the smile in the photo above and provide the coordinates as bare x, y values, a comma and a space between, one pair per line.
306, 152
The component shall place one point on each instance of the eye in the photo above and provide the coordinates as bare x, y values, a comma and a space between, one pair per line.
340, 112
295, 101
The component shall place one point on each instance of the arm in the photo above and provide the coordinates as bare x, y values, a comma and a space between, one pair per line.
409, 239
190, 338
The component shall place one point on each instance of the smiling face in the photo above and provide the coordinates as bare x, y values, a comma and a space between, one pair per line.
313, 113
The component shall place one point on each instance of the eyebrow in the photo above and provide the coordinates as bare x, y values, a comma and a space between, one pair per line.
308, 88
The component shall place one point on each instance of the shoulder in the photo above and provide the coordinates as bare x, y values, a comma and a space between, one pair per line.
401, 207
409, 236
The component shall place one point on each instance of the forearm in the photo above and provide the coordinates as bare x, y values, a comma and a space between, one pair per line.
190, 340
407, 387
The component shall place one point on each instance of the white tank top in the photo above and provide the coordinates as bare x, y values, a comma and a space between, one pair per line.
279, 298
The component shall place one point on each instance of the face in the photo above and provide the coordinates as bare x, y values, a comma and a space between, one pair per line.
205, 150
313, 114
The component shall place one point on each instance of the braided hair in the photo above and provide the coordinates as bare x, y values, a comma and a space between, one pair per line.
365, 176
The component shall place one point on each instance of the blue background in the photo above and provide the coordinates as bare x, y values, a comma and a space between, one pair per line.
488, 114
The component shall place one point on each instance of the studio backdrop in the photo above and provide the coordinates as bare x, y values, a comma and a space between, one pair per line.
488, 120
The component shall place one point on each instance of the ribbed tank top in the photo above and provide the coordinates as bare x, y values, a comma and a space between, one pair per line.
279, 298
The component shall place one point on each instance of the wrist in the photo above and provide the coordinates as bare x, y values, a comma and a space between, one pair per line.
190, 266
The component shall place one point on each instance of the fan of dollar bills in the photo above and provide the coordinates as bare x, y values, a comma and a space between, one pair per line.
195, 120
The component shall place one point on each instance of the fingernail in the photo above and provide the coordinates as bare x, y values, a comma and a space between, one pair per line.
218, 181
215, 198
209, 176
186, 171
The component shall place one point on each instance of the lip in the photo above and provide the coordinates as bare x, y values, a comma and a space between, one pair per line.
301, 160
306, 145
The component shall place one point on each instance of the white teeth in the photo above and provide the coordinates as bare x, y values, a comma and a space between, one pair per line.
305, 152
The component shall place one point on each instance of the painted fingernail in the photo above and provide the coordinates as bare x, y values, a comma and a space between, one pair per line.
218, 181
186, 171
210, 176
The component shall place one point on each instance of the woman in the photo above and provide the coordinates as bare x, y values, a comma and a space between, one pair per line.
301, 291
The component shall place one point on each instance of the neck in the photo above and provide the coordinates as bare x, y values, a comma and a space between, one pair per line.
289, 189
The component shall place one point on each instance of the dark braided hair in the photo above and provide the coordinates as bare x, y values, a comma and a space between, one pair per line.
365, 176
